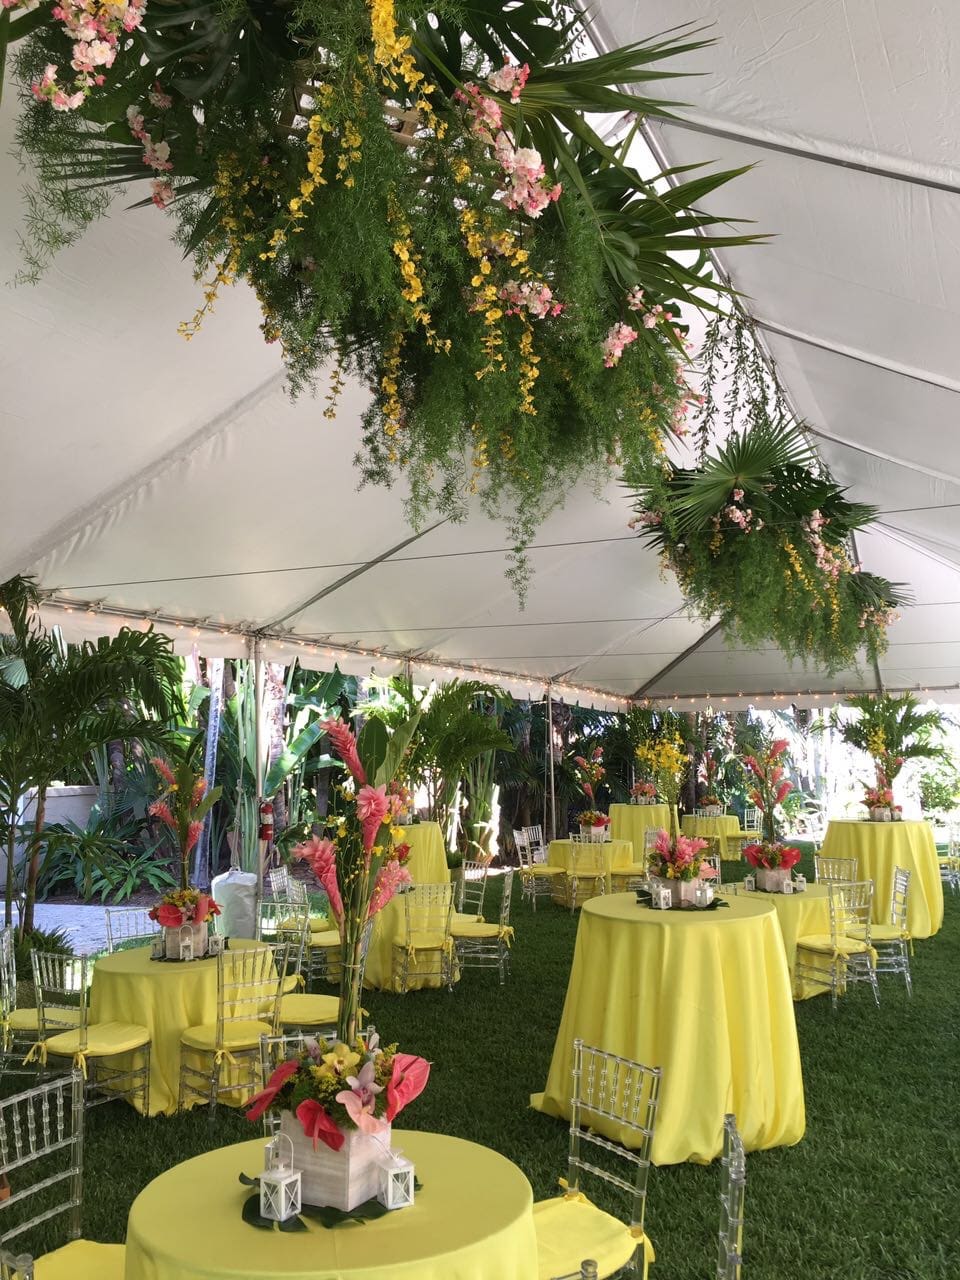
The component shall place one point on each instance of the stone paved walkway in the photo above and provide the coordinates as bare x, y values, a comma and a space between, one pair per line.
84, 925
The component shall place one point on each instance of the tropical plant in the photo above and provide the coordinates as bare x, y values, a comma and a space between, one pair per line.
58, 702
891, 729
183, 804
768, 785
409, 204
759, 539
939, 789
56, 941
103, 858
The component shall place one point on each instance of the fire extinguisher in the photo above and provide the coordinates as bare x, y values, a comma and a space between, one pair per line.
266, 820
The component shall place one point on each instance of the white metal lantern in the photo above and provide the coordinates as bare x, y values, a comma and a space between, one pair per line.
800, 883
663, 899
749, 884
158, 946
704, 895
214, 944
396, 1182
787, 886
186, 942
279, 1182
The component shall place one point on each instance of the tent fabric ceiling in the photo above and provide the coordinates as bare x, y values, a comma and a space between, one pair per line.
151, 476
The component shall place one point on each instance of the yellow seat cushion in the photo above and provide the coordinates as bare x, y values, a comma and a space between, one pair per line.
569, 1230
305, 1010
292, 982
103, 1040
318, 924
244, 1033
82, 1260
325, 938
474, 929
542, 869
28, 1019
633, 869
422, 940
884, 933
823, 943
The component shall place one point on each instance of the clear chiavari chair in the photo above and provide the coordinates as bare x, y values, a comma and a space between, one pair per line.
129, 927
751, 819
21, 1027
286, 922
306, 1010
537, 879
41, 1160
536, 842
481, 945
949, 862
427, 944
839, 870
845, 954
714, 860
608, 1092
472, 888
733, 1184
892, 941
589, 1270
249, 986
587, 871
114, 1057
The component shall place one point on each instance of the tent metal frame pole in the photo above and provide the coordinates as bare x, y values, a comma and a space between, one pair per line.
258, 757
550, 832
675, 662
693, 122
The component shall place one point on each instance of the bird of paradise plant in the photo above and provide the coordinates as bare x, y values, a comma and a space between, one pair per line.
361, 867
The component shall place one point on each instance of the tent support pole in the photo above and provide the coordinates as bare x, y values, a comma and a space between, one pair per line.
681, 657
550, 832
258, 757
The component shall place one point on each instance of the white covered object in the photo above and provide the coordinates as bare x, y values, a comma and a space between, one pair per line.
235, 893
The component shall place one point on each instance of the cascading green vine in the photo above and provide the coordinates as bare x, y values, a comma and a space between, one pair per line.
416, 196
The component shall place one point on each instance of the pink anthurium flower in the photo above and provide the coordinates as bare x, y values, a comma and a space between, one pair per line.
317, 1123
263, 1101
407, 1081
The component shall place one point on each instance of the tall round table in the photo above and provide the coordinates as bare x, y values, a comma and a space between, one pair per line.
427, 864
800, 915
705, 995
163, 996
881, 847
718, 828
472, 1220
632, 821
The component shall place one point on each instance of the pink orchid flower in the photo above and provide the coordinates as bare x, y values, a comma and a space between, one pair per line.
360, 1100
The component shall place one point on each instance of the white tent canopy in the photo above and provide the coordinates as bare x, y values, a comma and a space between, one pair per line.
148, 476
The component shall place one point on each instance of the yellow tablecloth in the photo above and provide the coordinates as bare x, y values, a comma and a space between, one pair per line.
630, 821
472, 1220
727, 824
164, 997
561, 853
428, 865
800, 914
705, 996
881, 847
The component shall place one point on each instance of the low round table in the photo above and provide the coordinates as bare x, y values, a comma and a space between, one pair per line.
163, 996
718, 828
632, 821
427, 864
881, 847
472, 1220
800, 915
705, 995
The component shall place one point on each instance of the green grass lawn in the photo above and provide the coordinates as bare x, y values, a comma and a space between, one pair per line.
871, 1193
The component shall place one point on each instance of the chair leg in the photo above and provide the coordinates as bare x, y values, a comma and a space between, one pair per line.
214, 1091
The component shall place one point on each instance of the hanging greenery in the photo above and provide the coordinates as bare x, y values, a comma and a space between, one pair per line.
415, 194
760, 540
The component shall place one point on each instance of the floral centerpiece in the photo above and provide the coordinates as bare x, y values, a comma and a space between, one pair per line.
773, 862
709, 776
361, 866
768, 786
879, 800
182, 806
592, 822
644, 793
678, 864
337, 1104
665, 761
401, 802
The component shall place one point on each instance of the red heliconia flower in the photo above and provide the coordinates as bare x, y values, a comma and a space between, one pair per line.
778, 748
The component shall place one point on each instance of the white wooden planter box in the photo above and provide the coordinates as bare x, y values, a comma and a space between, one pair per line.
344, 1178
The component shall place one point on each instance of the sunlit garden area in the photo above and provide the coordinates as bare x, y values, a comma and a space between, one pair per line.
479, 651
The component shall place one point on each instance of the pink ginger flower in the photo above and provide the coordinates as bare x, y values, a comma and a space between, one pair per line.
199, 790
193, 835
662, 843
163, 768
778, 748
321, 854
345, 745
783, 791
372, 807
389, 879
160, 809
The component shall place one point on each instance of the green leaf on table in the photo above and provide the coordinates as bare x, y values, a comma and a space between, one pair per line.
248, 1181
329, 1217
251, 1213
293, 1224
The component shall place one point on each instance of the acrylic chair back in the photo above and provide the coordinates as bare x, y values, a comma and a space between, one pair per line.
41, 1156
249, 985
472, 888
834, 869
714, 860
751, 819
62, 984
614, 1090
428, 912
650, 839
129, 927
851, 905
8, 973
505, 899
282, 885
898, 898
535, 842
733, 1182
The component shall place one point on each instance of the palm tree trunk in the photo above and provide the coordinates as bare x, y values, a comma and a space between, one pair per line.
33, 870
